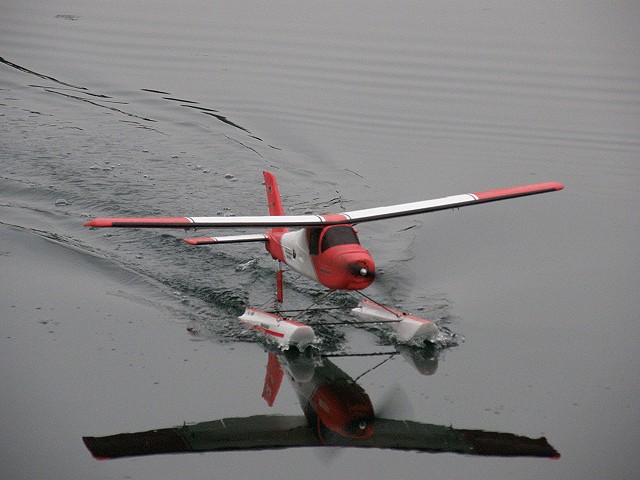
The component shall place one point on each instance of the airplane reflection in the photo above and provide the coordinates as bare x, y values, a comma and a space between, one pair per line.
337, 412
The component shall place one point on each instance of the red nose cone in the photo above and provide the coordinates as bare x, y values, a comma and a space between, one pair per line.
345, 267
360, 271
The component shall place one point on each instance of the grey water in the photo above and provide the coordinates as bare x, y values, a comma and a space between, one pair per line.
147, 108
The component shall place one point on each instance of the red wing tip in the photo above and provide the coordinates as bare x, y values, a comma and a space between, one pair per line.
140, 222
552, 185
98, 222
520, 190
198, 240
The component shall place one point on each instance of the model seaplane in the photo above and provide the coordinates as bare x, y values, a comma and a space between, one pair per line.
324, 248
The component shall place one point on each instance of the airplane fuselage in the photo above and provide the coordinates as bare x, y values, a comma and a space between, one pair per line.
330, 255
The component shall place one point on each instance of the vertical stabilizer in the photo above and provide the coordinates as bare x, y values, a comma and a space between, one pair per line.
273, 198
273, 379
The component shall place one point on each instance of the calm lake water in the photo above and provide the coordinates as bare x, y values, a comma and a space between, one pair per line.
153, 108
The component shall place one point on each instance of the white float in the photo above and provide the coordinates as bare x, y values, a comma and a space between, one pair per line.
279, 329
408, 328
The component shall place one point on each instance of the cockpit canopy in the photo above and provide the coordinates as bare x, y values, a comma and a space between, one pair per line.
322, 239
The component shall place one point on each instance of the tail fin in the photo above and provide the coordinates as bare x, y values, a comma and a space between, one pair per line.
273, 379
273, 198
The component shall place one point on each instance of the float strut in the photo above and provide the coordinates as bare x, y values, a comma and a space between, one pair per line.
279, 286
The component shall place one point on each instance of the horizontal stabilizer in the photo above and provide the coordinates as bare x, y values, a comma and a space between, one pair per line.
260, 237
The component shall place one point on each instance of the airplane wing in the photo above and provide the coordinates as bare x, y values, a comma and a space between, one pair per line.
424, 437
353, 217
445, 203
262, 432
250, 433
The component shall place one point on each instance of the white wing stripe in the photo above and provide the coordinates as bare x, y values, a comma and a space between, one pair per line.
259, 221
409, 208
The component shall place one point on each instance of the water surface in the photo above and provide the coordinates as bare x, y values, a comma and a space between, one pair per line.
147, 109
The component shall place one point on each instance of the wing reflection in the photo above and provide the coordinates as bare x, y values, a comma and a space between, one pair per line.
337, 411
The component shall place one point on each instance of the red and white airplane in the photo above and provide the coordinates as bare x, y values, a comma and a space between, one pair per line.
325, 249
